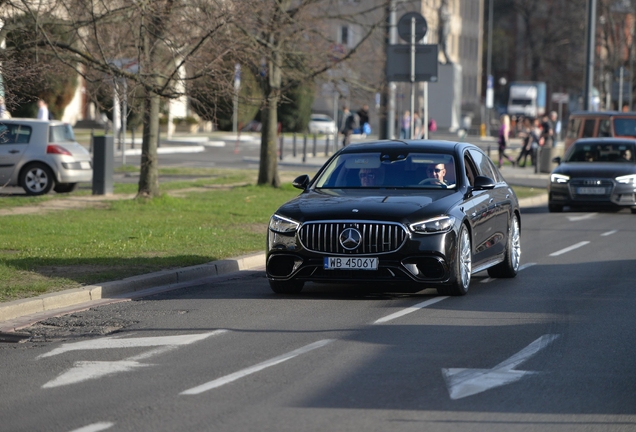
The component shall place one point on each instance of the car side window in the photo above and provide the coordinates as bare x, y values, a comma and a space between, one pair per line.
588, 128
471, 172
573, 128
604, 128
14, 134
484, 165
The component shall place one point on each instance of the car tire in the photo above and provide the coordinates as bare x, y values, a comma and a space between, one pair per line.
462, 267
65, 187
555, 208
286, 287
633, 210
510, 265
36, 179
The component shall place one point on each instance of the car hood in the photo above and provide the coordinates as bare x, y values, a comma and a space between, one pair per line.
381, 205
592, 169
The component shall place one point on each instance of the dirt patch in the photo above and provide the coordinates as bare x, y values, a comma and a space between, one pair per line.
69, 203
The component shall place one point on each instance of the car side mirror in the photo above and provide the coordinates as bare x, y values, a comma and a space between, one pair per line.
557, 160
301, 182
483, 182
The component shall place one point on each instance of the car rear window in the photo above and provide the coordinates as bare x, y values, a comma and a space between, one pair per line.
602, 152
625, 127
395, 171
14, 134
61, 133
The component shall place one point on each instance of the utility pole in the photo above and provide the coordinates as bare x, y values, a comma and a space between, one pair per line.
390, 115
589, 60
489, 79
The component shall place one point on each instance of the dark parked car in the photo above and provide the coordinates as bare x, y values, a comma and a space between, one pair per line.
397, 212
595, 172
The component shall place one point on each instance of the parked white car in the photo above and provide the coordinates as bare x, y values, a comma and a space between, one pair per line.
322, 124
40, 155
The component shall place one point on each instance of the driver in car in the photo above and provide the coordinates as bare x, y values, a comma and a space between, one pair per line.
436, 173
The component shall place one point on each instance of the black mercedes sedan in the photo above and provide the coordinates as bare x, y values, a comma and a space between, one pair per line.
397, 213
595, 172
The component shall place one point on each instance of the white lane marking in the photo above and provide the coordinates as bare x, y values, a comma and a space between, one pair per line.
91, 370
410, 310
609, 233
256, 368
467, 382
95, 427
110, 342
580, 218
568, 249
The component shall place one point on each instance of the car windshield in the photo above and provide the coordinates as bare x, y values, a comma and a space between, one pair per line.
625, 127
389, 170
320, 119
602, 152
61, 133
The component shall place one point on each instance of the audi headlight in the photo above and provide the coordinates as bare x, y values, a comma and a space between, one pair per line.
628, 179
282, 224
559, 178
435, 225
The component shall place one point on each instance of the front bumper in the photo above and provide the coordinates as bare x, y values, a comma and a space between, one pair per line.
425, 259
574, 193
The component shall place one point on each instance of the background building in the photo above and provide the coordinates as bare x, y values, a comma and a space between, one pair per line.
361, 82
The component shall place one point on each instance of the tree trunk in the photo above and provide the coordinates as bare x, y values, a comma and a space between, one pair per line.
268, 168
149, 175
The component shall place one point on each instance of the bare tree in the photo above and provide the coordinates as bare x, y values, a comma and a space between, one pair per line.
290, 42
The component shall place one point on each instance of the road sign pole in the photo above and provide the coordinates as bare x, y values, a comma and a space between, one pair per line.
425, 101
412, 125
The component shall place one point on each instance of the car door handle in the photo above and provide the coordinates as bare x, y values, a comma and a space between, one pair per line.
14, 151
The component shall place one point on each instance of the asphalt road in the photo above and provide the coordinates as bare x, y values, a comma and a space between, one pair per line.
551, 350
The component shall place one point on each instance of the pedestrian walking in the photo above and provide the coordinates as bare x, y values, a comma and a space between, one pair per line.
3, 109
504, 140
417, 126
405, 125
349, 125
547, 131
524, 134
43, 110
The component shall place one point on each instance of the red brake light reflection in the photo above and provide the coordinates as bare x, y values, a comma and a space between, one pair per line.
56, 149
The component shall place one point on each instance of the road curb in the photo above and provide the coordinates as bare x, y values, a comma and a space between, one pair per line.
114, 289
120, 288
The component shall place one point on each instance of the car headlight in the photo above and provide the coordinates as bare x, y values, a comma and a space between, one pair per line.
282, 224
559, 178
435, 225
628, 179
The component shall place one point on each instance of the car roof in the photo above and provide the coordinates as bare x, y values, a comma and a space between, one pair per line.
320, 115
605, 140
435, 146
603, 113
32, 121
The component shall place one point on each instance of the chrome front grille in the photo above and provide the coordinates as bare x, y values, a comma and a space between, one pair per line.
376, 237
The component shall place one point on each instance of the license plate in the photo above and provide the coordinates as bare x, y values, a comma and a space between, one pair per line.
591, 191
85, 165
347, 263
